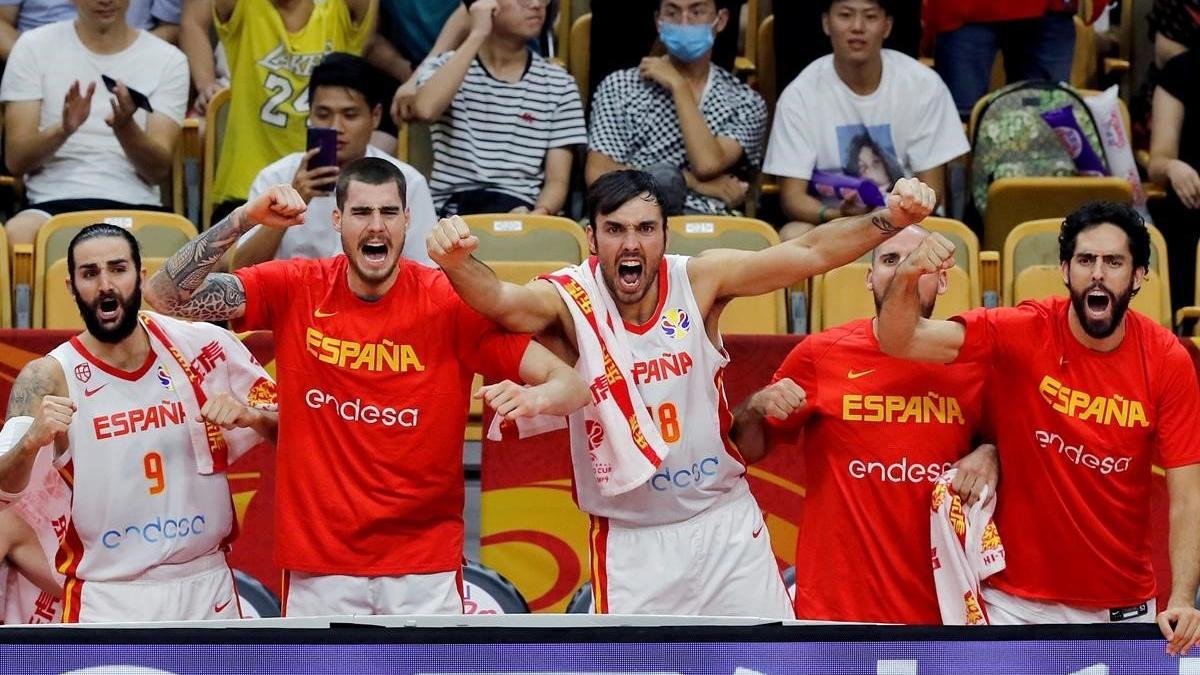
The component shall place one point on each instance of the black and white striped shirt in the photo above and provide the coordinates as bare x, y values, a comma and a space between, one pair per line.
495, 134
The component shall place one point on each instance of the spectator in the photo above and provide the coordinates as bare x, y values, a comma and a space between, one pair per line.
1037, 38
1174, 159
209, 70
77, 150
341, 97
407, 33
160, 17
681, 117
864, 111
800, 40
505, 116
272, 47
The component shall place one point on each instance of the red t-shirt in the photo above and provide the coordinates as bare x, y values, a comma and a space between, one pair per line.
1078, 431
877, 431
373, 402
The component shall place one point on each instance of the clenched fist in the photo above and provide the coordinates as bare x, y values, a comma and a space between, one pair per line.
934, 254
910, 202
451, 242
227, 412
512, 400
53, 416
779, 399
279, 206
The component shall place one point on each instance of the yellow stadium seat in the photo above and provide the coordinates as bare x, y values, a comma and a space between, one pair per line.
159, 235
1191, 313
214, 130
414, 146
1012, 201
1031, 269
580, 61
6, 296
765, 59
524, 237
690, 235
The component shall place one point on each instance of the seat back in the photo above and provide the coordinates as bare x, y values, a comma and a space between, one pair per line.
764, 59
1012, 201
842, 295
764, 314
215, 119
524, 237
580, 61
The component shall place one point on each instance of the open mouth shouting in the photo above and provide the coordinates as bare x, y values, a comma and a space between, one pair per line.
374, 252
108, 310
1098, 302
629, 274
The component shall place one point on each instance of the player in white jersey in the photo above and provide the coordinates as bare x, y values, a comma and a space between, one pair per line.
694, 522
30, 529
125, 405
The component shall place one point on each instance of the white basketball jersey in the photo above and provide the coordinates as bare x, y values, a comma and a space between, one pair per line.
677, 371
138, 500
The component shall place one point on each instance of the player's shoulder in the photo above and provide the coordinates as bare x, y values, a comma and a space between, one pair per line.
39, 377
852, 335
1158, 343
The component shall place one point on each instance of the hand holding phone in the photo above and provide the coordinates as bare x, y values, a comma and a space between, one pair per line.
140, 100
325, 140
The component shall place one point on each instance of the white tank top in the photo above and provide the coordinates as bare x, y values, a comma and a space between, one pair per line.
677, 371
137, 500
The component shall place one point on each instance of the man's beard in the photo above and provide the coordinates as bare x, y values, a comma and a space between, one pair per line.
926, 307
126, 324
1101, 328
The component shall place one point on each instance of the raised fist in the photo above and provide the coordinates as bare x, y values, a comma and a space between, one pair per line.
779, 399
51, 420
450, 242
933, 255
279, 206
910, 202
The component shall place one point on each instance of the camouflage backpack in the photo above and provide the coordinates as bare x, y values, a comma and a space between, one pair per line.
1011, 138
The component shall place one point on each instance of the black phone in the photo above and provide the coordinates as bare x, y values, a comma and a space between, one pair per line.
468, 3
139, 99
325, 139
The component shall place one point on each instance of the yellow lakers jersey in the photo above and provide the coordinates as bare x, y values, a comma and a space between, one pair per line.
269, 72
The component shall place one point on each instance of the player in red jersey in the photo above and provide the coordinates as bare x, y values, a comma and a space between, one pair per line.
1087, 397
374, 355
877, 432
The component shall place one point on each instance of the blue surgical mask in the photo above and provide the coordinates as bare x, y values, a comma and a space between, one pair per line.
687, 42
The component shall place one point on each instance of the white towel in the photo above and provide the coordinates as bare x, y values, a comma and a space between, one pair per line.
211, 360
631, 447
966, 550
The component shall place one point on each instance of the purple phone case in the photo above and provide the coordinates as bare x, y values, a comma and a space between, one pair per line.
326, 140
834, 184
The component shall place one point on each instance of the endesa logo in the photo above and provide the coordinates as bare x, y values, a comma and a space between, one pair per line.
357, 411
681, 479
155, 531
897, 472
1077, 454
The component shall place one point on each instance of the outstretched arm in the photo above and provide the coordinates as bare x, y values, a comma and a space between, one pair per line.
20, 546
903, 331
184, 287
520, 309
725, 273
39, 400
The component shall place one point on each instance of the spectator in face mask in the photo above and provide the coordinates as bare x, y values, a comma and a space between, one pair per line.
680, 117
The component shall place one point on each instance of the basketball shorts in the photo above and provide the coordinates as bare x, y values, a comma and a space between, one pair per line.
199, 589
1006, 609
341, 595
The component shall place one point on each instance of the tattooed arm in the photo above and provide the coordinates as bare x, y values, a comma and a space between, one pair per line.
39, 392
184, 287
722, 273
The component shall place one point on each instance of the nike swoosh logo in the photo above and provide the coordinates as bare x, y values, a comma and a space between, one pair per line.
223, 605
757, 532
322, 315
89, 392
854, 376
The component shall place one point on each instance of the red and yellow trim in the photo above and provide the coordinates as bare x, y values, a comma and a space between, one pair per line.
70, 555
598, 542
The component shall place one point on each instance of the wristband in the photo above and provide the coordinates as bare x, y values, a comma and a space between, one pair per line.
821, 215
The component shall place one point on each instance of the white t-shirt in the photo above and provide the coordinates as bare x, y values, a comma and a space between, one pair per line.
91, 164
907, 125
316, 238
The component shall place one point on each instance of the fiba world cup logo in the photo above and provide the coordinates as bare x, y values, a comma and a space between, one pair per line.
675, 323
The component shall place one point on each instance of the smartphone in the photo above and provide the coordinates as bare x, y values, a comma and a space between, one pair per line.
139, 99
468, 3
325, 139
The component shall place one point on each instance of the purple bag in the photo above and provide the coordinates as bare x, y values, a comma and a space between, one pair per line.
836, 185
1062, 121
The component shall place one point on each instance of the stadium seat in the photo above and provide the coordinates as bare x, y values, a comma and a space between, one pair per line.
214, 130
764, 60
1192, 312
160, 235
580, 61
6, 313
414, 146
841, 295
1031, 270
1012, 201
524, 237
690, 235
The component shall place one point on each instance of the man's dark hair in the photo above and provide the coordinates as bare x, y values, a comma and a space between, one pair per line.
372, 171
613, 189
1098, 213
885, 5
339, 69
96, 231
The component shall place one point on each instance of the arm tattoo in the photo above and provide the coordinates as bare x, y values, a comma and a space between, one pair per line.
184, 285
881, 223
33, 382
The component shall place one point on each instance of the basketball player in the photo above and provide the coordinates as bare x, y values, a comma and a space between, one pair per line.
147, 532
1092, 395
877, 432
695, 523
375, 355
